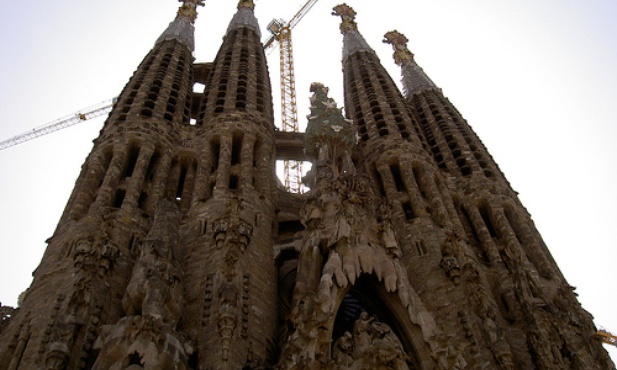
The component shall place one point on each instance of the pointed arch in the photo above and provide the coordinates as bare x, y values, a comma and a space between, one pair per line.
371, 295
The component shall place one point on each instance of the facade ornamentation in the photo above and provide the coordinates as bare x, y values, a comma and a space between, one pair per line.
348, 16
189, 9
410, 251
399, 43
371, 345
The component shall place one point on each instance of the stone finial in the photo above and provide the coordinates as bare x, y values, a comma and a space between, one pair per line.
399, 44
328, 134
348, 16
246, 4
188, 9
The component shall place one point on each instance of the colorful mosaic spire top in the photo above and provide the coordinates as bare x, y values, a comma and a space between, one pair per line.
348, 16
188, 10
246, 4
399, 44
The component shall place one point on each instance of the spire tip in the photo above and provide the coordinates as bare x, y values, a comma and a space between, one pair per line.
188, 9
399, 44
246, 4
348, 16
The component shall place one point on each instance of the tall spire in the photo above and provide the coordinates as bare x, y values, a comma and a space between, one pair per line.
414, 78
352, 39
181, 28
245, 17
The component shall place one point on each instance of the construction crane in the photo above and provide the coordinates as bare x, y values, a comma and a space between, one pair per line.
281, 32
607, 337
64, 122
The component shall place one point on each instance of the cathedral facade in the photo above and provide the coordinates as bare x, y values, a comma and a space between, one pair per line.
180, 249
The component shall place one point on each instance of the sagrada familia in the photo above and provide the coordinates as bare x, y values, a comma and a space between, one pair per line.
180, 249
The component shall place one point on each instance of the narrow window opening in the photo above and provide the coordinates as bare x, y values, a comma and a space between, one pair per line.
143, 197
132, 160
396, 174
181, 181
216, 149
379, 183
154, 160
408, 211
484, 212
233, 182
236, 149
467, 222
120, 193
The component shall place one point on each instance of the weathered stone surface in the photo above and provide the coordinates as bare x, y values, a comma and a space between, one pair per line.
179, 248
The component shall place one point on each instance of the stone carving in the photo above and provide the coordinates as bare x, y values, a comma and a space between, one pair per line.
372, 345
60, 336
77, 313
485, 310
141, 342
450, 356
94, 253
153, 301
208, 295
189, 9
229, 286
155, 287
348, 233
348, 16
245, 305
389, 240
6, 313
232, 234
246, 4
399, 43
449, 262
329, 136
227, 319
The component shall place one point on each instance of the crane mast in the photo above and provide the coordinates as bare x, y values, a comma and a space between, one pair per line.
289, 111
281, 31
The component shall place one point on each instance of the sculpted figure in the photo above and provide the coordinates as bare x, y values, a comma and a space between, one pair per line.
343, 350
146, 337
155, 286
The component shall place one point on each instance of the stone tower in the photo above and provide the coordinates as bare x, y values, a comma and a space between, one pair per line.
180, 249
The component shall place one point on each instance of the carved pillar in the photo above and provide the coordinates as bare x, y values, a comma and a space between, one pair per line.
159, 183
110, 183
136, 181
87, 189
202, 178
222, 173
486, 242
246, 169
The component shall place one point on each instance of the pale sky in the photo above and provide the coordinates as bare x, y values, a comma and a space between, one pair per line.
536, 80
